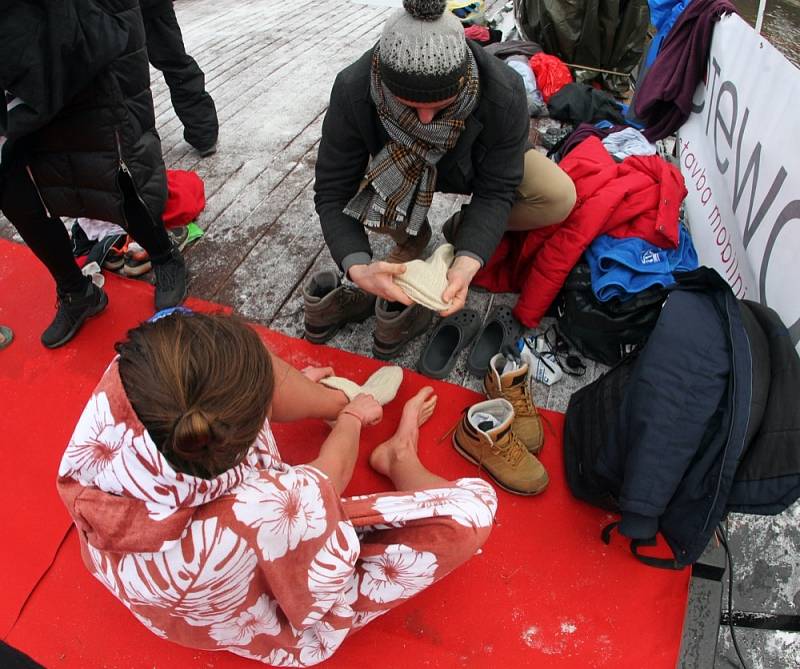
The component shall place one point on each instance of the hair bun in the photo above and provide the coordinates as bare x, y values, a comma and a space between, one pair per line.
425, 10
191, 434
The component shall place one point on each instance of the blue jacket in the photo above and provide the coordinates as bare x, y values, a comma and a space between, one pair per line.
700, 423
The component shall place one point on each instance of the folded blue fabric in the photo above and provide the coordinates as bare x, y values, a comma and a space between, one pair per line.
623, 267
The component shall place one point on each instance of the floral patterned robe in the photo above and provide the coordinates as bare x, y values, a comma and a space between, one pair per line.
265, 560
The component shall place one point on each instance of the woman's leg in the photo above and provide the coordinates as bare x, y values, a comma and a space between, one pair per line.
546, 195
45, 236
397, 458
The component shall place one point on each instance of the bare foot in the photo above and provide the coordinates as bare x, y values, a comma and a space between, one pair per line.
403, 442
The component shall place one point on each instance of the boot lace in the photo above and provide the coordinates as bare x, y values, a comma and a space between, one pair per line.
63, 316
350, 296
520, 398
510, 448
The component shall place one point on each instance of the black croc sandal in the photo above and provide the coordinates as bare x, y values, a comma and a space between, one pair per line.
500, 332
450, 337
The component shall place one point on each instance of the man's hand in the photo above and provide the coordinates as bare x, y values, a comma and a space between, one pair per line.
366, 408
376, 278
459, 276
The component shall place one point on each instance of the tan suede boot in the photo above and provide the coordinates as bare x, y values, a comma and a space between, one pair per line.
515, 387
485, 436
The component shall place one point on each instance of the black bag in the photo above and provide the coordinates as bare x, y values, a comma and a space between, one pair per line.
609, 34
605, 331
587, 425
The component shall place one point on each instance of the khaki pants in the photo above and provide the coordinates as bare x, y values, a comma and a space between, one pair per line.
545, 196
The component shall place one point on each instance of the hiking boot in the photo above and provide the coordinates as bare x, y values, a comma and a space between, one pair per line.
72, 309
396, 325
485, 436
513, 385
171, 286
329, 305
409, 247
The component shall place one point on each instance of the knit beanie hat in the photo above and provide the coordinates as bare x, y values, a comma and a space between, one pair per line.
423, 52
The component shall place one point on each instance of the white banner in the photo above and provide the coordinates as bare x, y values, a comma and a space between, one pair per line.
740, 156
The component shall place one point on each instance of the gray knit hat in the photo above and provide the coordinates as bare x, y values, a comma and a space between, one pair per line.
423, 52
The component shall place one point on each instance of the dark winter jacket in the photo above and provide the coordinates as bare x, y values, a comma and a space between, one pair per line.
704, 420
151, 8
487, 160
85, 129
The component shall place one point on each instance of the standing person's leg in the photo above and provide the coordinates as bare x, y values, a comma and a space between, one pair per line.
78, 297
168, 264
185, 79
546, 195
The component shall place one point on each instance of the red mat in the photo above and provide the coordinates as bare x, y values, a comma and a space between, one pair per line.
545, 591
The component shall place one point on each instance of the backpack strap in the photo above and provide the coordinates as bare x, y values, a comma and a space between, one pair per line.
660, 563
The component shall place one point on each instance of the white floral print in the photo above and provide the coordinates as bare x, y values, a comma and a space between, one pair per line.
207, 586
319, 642
285, 513
103, 570
265, 560
142, 472
472, 505
331, 573
398, 573
239, 631
95, 443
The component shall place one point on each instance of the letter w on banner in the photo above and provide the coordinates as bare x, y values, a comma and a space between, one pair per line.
740, 156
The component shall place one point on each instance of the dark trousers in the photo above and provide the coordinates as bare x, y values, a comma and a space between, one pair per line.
47, 237
185, 79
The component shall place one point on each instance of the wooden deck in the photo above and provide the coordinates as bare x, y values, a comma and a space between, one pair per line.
269, 67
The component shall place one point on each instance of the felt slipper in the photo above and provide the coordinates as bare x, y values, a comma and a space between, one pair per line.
382, 385
6, 336
499, 333
450, 337
424, 281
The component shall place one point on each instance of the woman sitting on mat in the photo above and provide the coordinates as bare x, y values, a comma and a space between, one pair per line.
188, 515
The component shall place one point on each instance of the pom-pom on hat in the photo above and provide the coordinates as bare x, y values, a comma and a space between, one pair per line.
423, 52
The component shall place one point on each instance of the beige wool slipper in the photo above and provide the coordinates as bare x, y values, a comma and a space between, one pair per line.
424, 281
382, 385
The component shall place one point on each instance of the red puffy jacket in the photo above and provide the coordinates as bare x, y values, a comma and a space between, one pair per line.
639, 197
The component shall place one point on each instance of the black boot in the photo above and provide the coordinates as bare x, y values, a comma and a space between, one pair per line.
170, 279
72, 310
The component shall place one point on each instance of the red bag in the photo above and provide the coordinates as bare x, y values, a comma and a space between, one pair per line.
186, 198
551, 74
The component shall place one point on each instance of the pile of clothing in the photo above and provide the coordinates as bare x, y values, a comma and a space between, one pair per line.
630, 198
107, 245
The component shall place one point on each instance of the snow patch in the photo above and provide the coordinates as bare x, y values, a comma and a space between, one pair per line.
529, 637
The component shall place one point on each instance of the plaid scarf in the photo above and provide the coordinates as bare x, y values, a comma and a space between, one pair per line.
400, 180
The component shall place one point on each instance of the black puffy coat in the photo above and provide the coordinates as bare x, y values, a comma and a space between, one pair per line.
84, 131
704, 420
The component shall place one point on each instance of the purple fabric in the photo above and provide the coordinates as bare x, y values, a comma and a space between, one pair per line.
580, 133
664, 99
